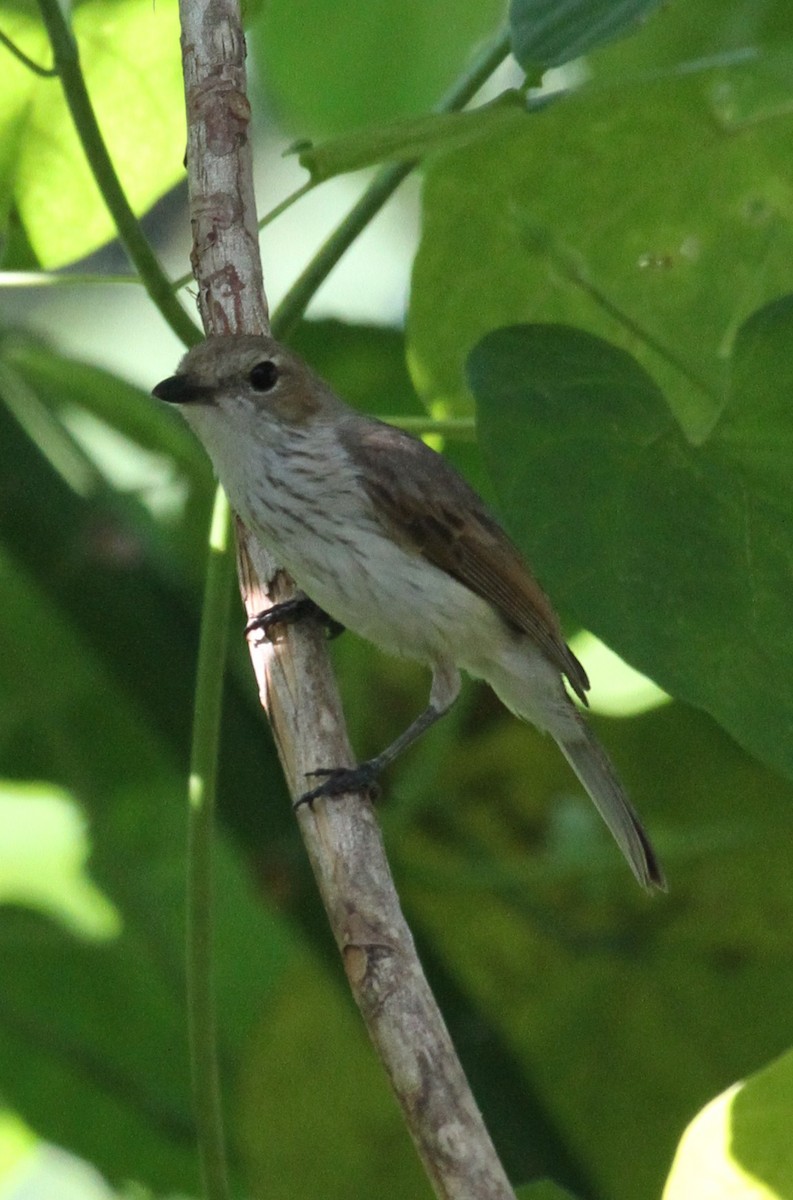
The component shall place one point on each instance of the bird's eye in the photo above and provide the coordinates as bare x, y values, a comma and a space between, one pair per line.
264, 376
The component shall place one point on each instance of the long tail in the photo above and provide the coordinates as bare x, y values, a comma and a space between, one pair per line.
589, 761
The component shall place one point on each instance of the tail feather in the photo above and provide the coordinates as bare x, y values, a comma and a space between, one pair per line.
589, 761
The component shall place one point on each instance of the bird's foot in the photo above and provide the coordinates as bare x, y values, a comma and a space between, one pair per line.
299, 608
339, 781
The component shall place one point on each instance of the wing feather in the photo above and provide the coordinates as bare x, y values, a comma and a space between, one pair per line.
429, 508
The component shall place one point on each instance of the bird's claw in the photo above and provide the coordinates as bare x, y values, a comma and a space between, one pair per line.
287, 612
340, 781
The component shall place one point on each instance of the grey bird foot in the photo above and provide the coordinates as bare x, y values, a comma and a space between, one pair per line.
340, 780
300, 608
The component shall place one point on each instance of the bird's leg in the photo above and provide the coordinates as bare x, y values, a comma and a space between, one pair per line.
341, 780
299, 608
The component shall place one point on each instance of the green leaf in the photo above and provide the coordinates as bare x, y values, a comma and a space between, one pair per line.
366, 63
546, 33
739, 1144
130, 57
408, 139
674, 553
43, 857
571, 223
17, 86
92, 1034
544, 1190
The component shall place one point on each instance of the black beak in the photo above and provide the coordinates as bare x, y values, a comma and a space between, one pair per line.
181, 389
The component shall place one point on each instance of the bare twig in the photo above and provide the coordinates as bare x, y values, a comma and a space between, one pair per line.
225, 254
294, 676
346, 850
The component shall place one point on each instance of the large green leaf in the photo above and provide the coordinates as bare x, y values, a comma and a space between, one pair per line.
130, 57
653, 207
676, 553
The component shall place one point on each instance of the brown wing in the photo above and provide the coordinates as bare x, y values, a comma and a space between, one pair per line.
430, 508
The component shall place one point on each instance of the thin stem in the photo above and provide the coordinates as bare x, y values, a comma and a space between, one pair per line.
382, 187
202, 790
25, 59
156, 282
26, 279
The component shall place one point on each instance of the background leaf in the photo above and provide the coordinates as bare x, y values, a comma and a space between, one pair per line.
544, 1190
546, 33
573, 223
680, 552
130, 58
739, 1145
395, 59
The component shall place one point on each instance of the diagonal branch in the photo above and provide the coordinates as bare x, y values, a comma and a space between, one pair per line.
294, 676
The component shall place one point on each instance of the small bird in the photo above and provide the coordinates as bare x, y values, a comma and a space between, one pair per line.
387, 539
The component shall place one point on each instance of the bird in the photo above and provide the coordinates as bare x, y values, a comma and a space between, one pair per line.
386, 537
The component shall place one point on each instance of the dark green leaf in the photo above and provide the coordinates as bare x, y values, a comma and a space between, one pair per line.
544, 1190
676, 554
365, 364
546, 33
619, 1009
93, 1046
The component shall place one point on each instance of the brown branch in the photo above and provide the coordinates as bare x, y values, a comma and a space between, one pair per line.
347, 855
225, 254
295, 680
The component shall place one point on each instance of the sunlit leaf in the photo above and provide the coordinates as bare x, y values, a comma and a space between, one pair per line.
639, 210
131, 61
738, 1146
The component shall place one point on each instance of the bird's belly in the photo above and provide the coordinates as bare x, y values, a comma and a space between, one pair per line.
389, 595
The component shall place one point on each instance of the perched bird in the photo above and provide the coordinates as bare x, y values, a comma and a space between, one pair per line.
384, 535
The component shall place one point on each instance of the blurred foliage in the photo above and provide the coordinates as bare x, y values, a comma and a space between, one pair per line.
650, 206
395, 60
130, 58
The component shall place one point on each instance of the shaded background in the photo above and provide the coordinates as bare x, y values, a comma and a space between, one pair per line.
652, 207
